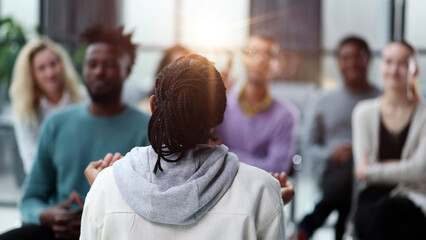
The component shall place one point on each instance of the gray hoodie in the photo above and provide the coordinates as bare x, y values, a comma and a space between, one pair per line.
184, 191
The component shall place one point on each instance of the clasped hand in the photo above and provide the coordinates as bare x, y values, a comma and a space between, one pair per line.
64, 222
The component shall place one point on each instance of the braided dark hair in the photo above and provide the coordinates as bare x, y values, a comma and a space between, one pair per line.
190, 101
113, 36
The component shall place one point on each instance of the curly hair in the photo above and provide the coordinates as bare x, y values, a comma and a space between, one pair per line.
190, 101
24, 94
113, 36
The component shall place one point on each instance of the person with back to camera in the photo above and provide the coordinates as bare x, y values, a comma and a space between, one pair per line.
44, 81
69, 140
180, 187
330, 134
169, 56
389, 137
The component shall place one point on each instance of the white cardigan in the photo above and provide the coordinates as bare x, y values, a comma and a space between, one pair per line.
251, 209
409, 174
27, 134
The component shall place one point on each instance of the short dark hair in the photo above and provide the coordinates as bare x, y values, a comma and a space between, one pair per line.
113, 36
190, 101
354, 40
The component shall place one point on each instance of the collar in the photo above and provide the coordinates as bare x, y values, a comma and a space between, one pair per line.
47, 107
251, 110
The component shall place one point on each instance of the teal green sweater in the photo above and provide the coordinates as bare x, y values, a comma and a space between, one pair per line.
68, 142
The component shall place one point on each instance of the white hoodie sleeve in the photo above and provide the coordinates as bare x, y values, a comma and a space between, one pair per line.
94, 210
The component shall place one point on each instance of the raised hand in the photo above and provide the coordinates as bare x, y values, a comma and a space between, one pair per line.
228, 81
287, 188
94, 168
342, 153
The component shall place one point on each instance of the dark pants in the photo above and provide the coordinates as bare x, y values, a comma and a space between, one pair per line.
389, 218
337, 192
27, 232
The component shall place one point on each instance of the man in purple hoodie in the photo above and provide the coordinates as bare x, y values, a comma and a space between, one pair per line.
256, 127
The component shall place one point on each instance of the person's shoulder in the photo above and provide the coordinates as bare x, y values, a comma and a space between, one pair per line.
366, 108
105, 195
68, 113
256, 178
285, 110
104, 178
232, 98
259, 189
421, 110
104, 186
331, 95
368, 104
132, 111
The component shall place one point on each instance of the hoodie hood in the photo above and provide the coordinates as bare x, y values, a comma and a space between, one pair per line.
184, 191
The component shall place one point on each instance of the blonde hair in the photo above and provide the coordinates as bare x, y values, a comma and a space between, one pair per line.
24, 94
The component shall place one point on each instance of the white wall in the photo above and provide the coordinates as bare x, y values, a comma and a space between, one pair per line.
25, 12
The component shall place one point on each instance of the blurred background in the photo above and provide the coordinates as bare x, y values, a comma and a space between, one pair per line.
308, 31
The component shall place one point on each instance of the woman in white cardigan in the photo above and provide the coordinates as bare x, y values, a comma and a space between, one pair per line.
44, 81
389, 138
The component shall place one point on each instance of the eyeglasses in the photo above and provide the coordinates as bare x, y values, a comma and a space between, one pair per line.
253, 53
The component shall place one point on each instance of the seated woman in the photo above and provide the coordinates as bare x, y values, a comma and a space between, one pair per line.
180, 187
389, 138
44, 81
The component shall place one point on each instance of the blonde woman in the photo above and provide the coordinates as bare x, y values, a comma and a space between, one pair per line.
390, 153
44, 81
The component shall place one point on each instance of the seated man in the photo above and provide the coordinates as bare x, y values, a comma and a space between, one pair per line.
256, 127
329, 138
51, 206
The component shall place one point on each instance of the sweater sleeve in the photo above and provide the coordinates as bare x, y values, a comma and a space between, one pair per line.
410, 170
26, 137
316, 148
273, 227
40, 184
280, 150
360, 133
93, 216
